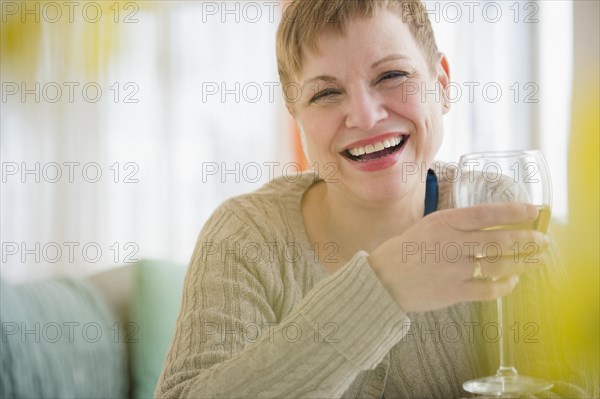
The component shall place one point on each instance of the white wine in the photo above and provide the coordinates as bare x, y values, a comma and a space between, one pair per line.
540, 224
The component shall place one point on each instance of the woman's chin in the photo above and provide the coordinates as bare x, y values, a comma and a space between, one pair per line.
387, 185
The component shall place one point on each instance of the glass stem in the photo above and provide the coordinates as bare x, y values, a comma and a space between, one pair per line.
506, 368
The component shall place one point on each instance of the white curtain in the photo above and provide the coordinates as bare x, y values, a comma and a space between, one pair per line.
190, 113
169, 148
511, 66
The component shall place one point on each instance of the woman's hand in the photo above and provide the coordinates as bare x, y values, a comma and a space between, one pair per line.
431, 265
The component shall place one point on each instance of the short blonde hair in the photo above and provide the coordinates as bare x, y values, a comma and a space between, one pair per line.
304, 21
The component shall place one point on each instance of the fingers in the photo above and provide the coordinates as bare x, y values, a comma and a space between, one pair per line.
487, 215
503, 268
497, 243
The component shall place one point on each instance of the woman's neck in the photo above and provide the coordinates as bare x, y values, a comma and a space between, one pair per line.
355, 225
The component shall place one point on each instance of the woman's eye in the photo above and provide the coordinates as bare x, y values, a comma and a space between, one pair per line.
323, 94
393, 75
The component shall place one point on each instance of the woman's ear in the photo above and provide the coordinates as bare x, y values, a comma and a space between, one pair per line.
443, 77
443, 70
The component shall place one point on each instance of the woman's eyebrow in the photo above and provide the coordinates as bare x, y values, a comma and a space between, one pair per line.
391, 57
324, 78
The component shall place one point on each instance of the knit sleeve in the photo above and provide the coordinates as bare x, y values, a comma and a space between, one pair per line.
229, 342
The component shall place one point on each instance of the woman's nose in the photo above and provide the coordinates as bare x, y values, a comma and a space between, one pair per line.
364, 110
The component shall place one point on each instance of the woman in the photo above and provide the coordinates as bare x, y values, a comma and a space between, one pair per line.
336, 287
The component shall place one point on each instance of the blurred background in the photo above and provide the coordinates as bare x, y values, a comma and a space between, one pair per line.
125, 123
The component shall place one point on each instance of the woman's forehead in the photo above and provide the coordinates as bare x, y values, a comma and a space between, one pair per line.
366, 39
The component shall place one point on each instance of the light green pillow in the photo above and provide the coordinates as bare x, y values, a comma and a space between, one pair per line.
154, 309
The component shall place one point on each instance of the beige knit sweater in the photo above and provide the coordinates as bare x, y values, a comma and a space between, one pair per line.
262, 318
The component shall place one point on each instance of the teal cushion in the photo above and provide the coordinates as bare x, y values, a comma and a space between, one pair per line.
58, 342
154, 310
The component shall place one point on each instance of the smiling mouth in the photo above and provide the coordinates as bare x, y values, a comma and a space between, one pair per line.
375, 151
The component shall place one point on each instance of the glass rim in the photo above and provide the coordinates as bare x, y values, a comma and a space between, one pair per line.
492, 155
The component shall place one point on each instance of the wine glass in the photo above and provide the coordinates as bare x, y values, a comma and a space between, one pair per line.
509, 176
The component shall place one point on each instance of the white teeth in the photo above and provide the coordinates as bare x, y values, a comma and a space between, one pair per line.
370, 148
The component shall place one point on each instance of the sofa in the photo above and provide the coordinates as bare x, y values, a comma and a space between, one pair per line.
104, 336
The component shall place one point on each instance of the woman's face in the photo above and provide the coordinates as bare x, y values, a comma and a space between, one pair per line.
370, 109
